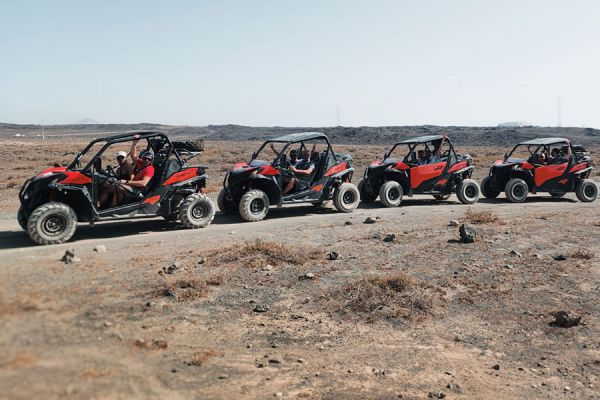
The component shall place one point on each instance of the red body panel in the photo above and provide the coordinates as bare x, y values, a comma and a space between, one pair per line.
336, 168
547, 172
441, 182
400, 166
53, 169
317, 188
424, 173
526, 165
578, 167
375, 163
239, 165
268, 170
151, 200
75, 178
181, 176
457, 166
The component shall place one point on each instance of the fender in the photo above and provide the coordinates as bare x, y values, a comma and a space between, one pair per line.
463, 170
581, 171
191, 180
342, 173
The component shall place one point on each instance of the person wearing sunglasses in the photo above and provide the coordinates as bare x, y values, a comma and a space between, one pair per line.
129, 189
124, 170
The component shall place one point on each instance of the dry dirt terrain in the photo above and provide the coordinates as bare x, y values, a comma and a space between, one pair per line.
265, 310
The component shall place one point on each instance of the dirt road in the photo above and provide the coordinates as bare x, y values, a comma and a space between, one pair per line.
478, 323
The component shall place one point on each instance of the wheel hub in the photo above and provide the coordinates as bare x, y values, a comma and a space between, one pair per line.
393, 194
199, 211
257, 206
54, 224
589, 191
348, 197
470, 191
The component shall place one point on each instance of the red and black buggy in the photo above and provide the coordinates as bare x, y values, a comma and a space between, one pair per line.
531, 168
250, 188
406, 174
53, 201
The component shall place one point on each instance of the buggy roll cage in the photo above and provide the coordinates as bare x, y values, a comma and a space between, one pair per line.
125, 137
287, 144
413, 145
545, 146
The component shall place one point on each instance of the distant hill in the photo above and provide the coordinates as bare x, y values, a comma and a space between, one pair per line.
461, 135
86, 121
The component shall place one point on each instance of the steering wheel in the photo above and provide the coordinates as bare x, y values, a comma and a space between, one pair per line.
110, 172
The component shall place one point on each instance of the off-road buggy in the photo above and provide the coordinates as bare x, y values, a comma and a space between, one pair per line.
405, 173
53, 201
250, 188
529, 168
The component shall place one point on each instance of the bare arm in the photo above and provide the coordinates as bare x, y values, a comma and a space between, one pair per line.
438, 150
141, 183
272, 147
132, 152
302, 171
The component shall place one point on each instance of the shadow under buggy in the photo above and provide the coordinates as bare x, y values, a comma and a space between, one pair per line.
250, 188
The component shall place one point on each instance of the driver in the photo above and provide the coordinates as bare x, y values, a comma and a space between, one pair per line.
302, 174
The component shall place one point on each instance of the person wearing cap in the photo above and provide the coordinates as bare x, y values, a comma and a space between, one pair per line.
124, 170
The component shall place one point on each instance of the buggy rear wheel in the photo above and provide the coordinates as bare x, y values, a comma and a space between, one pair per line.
346, 197
52, 223
226, 206
467, 191
516, 190
22, 218
254, 205
486, 189
196, 211
586, 190
365, 196
391, 194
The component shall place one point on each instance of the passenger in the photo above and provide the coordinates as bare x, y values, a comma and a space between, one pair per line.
303, 174
421, 159
542, 159
129, 189
437, 153
554, 156
124, 171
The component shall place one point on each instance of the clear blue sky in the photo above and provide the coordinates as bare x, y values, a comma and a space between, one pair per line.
296, 63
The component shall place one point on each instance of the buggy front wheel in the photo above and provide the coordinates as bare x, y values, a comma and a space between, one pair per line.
52, 223
254, 205
346, 197
391, 194
196, 211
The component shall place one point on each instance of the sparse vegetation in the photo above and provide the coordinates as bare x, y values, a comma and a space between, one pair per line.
258, 253
393, 296
481, 217
202, 357
183, 287
582, 254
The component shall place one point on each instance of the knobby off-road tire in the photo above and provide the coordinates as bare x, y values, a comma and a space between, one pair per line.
346, 197
486, 189
22, 218
390, 194
516, 190
441, 197
586, 190
52, 223
467, 191
226, 206
196, 211
254, 205
365, 196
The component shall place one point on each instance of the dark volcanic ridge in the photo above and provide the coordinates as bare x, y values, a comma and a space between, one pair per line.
461, 135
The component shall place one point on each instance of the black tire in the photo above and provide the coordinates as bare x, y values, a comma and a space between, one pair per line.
558, 195
196, 211
346, 197
486, 189
365, 196
189, 145
52, 223
226, 206
254, 205
22, 218
586, 190
442, 197
467, 191
390, 194
516, 190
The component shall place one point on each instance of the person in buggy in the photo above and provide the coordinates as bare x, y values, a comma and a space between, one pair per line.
127, 190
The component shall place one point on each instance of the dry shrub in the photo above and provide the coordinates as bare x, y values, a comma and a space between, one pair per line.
481, 217
201, 357
582, 254
183, 287
390, 296
258, 253
152, 345
21, 360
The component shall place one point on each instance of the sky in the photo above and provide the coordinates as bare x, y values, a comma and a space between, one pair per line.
301, 63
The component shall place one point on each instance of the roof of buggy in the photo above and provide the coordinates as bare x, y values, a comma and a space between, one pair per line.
299, 137
545, 141
422, 139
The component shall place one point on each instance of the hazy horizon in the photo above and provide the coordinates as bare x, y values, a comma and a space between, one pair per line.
289, 64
